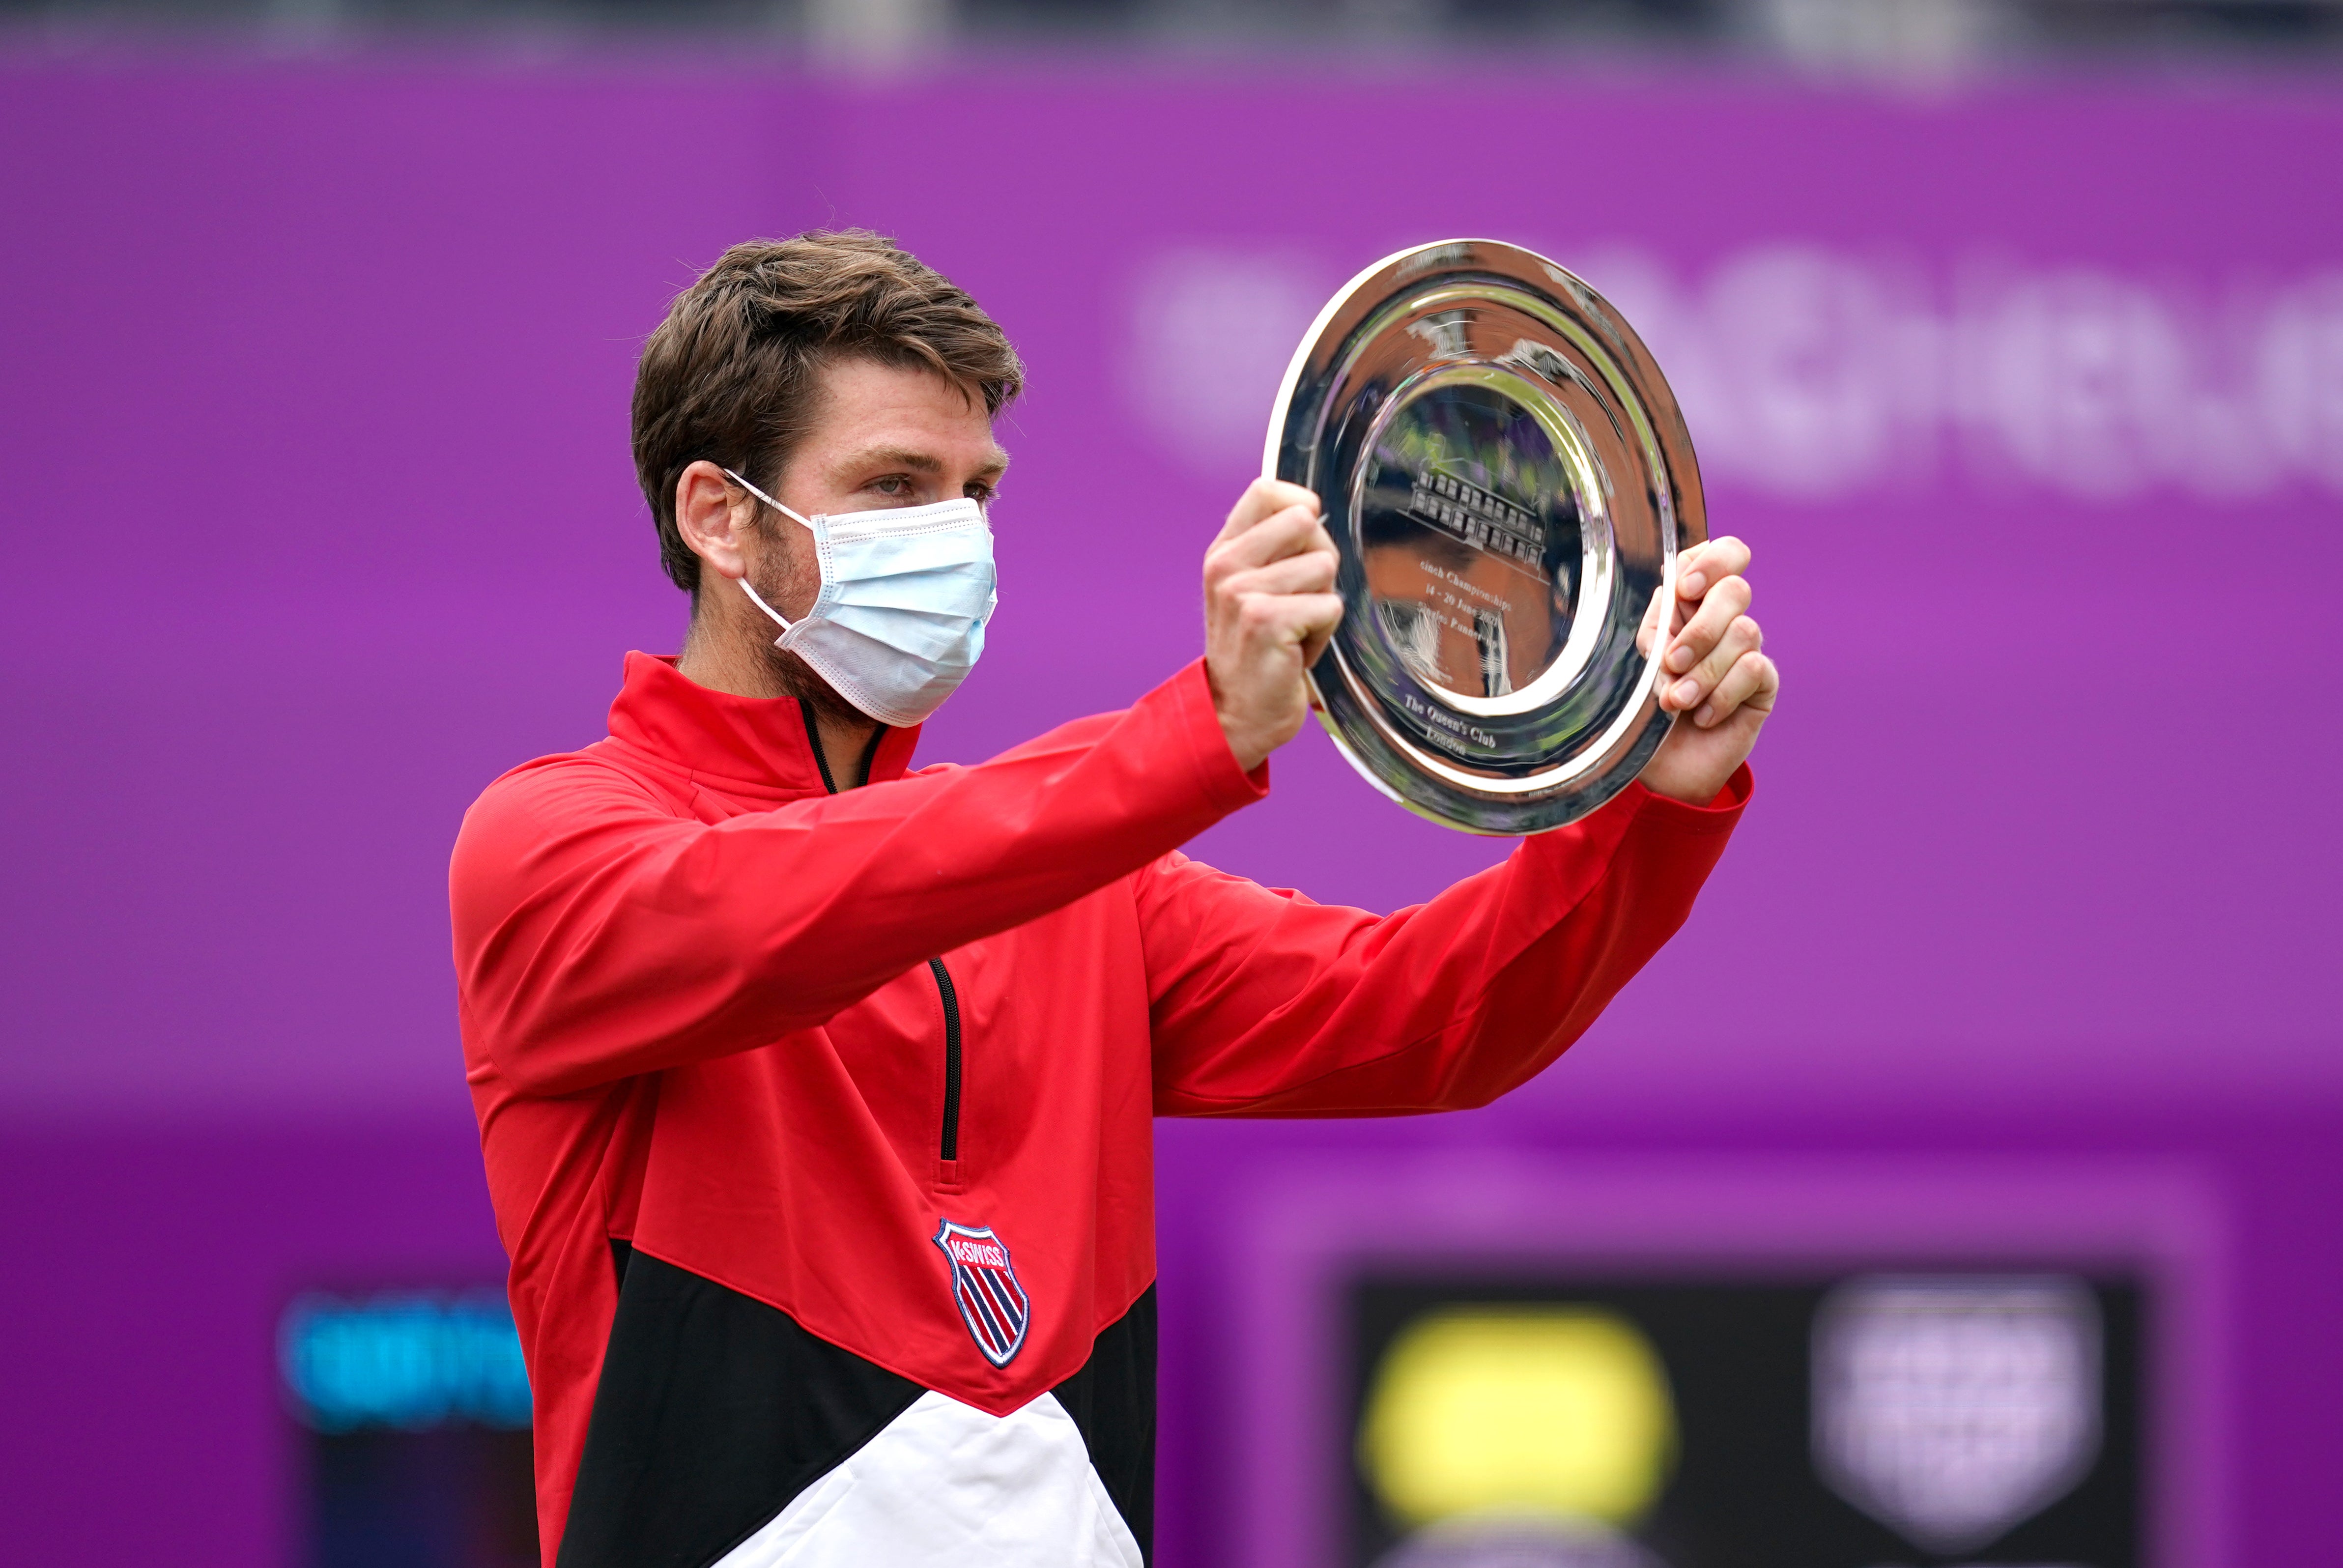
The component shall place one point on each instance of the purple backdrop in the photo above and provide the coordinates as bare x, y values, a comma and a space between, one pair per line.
2030, 400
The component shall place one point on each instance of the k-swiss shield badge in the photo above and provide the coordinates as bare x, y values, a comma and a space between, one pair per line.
984, 1287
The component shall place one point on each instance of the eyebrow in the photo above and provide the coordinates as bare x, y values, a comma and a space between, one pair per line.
917, 461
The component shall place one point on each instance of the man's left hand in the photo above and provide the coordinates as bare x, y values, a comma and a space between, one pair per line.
1713, 673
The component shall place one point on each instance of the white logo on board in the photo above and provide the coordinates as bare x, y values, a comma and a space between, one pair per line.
1951, 1409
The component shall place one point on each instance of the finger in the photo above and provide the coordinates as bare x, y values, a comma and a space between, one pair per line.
1741, 637
1315, 643
1287, 532
1312, 572
1724, 604
1712, 561
1319, 630
1263, 498
1316, 615
1286, 619
1698, 569
1751, 683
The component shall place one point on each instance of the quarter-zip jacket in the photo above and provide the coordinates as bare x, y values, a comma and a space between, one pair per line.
816, 1124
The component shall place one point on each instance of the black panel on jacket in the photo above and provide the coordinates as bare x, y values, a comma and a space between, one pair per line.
714, 1410
1113, 1400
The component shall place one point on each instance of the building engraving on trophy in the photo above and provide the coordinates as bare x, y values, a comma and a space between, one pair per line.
1477, 516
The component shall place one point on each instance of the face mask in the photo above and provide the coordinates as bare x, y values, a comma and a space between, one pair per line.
905, 594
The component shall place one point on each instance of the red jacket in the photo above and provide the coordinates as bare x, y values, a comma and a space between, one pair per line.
700, 1018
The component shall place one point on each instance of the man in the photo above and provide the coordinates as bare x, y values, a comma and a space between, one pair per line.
816, 1091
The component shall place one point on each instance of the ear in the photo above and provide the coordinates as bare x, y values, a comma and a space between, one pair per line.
713, 518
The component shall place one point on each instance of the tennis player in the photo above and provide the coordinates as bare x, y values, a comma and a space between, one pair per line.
816, 1089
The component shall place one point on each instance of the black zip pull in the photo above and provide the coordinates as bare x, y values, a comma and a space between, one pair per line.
951, 1145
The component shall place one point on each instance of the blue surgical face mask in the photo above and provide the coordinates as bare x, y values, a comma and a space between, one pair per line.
905, 594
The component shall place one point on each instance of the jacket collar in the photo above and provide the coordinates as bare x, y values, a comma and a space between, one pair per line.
763, 745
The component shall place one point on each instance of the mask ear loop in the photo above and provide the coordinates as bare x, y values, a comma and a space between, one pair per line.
755, 598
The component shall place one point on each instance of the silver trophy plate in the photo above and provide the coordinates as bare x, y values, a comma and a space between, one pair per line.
1509, 482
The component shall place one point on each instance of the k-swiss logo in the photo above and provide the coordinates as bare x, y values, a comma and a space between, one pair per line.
984, 1287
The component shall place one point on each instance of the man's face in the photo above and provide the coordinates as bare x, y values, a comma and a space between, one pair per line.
882, 436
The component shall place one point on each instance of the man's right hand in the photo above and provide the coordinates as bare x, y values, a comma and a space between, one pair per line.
1270, 607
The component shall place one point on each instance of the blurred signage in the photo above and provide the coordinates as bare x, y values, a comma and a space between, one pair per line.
1517, 1362
410, 1359
1812, 373
1546, 1421
414, 1411
1951, 1409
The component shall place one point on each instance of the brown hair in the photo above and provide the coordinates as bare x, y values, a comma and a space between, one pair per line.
732, 373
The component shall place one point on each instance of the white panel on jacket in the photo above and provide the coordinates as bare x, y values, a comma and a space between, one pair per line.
945, 1483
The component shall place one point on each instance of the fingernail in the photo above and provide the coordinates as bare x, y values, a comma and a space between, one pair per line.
1706, 717
1685, 691
1680, 660
1692, 583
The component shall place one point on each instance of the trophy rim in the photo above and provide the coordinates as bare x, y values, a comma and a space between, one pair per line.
1593, 768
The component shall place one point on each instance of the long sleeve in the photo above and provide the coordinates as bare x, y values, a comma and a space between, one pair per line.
598, 934
1267, 1004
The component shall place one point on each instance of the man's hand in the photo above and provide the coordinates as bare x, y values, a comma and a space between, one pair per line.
1270, 607
1713, 671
